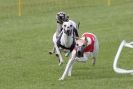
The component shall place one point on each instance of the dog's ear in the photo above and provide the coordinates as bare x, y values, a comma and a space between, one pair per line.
86, 40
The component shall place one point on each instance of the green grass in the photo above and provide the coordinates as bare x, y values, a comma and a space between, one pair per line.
26, 40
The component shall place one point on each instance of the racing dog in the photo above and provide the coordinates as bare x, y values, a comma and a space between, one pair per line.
66, 39
86, 47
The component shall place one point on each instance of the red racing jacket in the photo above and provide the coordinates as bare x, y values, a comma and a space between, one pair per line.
89, 48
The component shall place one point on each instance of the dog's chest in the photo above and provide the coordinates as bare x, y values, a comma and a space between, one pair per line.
67, 41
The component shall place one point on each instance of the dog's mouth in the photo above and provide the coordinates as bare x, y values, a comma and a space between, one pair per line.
79, 52
68, 32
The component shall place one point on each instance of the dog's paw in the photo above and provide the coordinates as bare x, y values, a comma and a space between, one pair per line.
61, 79
67, 54
50, 52
69, 74
60, 63
93, 63
57, 55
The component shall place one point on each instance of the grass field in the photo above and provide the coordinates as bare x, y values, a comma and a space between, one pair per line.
26, 40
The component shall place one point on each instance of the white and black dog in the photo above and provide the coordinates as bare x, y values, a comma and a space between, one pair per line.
86, 47
65, 40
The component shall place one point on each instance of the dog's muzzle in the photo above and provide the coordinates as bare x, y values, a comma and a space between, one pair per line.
79, 52
68, 32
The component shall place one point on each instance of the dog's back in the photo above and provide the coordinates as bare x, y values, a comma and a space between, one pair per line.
94, 46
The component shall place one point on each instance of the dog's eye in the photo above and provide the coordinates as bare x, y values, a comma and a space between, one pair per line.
77, 44
83, 45
70, 25
64, 25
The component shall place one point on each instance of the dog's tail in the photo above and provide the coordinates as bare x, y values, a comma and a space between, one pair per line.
78, 24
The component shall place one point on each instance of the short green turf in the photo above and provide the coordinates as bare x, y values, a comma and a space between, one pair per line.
25, 41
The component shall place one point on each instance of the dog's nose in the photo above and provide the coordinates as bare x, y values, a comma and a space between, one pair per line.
68, 31
79, 53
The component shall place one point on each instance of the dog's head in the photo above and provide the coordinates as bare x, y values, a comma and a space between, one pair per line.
80, 46
61, 17
67, 28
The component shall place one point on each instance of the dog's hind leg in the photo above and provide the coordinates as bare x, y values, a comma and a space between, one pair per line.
54, 41
94, 61
96, 50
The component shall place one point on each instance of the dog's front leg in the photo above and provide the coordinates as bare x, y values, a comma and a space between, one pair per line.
69, 65
59, 54
57, 49
70, 71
